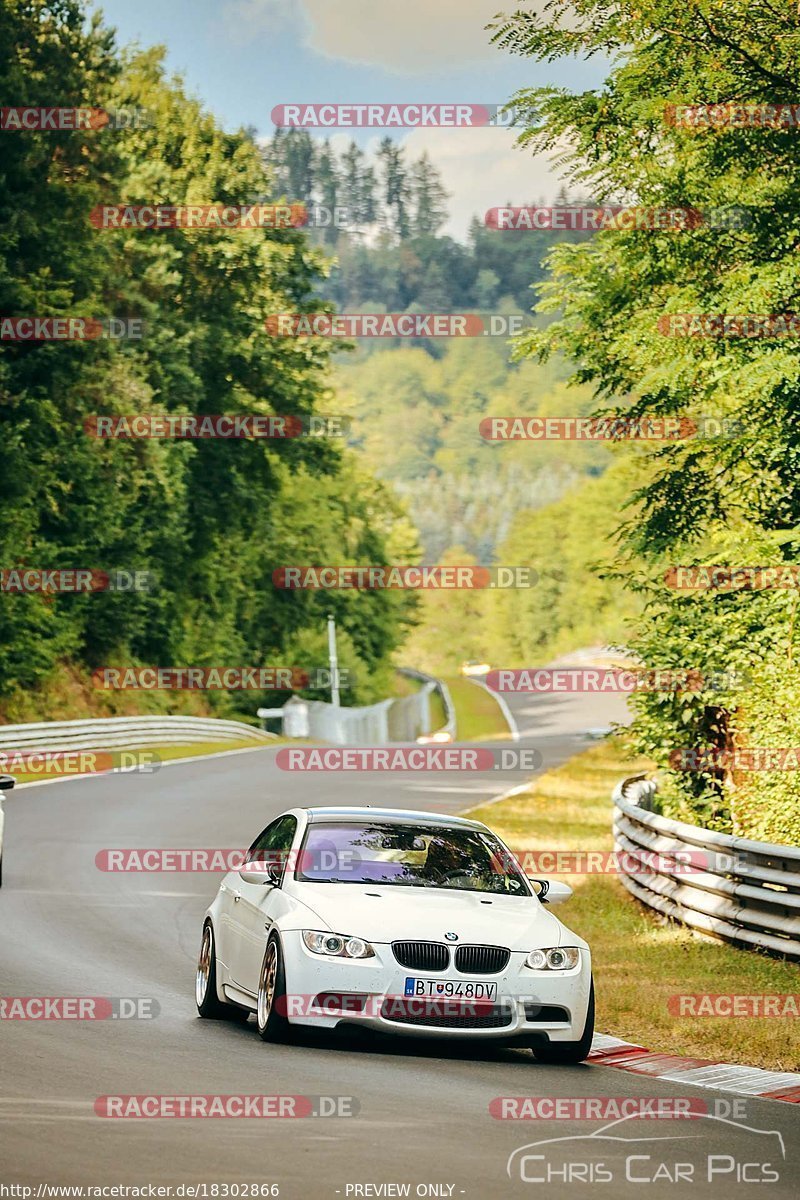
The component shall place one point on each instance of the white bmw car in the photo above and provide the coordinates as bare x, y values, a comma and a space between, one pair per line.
397, 921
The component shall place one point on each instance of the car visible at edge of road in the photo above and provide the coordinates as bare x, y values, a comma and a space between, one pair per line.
403, 922
475, 667
6, 784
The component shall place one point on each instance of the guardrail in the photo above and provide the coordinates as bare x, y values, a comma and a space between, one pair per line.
743, 891
398, 719
368, 724
437, 685
108, 732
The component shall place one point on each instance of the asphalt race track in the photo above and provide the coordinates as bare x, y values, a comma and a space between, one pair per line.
423, 1117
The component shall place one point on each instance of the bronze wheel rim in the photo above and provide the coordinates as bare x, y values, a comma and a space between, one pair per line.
203, 966
266, 985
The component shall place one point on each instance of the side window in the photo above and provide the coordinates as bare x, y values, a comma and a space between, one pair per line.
274, 844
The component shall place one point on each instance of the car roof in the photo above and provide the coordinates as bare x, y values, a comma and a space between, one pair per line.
399, 815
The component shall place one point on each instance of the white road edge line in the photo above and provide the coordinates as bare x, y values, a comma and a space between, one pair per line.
517, 790
167, 762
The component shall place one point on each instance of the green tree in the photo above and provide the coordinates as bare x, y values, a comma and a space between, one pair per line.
327, 186
395, 189
210, 519
735, 495
429, 198
358, 185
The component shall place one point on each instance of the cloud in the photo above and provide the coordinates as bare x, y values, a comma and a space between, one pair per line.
408, 36
403, 36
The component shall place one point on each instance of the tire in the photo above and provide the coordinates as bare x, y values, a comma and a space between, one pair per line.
208, 1002
272, 1024
570, 1052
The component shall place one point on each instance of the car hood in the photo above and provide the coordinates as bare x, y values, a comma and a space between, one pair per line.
387, 914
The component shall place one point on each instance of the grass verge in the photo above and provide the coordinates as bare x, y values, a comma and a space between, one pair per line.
438, 714
640, 960
478, 715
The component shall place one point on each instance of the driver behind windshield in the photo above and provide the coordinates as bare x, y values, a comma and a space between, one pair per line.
411, 856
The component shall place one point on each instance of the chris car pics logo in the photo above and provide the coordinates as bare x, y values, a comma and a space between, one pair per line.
711, 1149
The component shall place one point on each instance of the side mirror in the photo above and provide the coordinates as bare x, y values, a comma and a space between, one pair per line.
6, 783
267, 873
551, 891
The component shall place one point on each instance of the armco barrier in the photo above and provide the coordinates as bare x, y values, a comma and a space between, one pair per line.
436, 685
400, 719
108, 732
748, 893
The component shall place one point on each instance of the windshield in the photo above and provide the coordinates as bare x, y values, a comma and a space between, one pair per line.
407, 855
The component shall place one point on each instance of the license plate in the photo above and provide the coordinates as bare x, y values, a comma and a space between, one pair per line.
463, 989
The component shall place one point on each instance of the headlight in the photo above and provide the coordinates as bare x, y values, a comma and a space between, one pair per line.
559, 958
337, 945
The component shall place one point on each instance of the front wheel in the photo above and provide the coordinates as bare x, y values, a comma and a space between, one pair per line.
271, 1006
208, 1002
570, 1052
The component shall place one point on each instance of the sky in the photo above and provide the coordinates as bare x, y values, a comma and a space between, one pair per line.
244, 57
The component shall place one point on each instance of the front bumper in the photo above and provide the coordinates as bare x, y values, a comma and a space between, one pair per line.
370, 993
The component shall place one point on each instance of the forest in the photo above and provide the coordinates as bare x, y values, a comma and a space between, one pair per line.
605, 525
